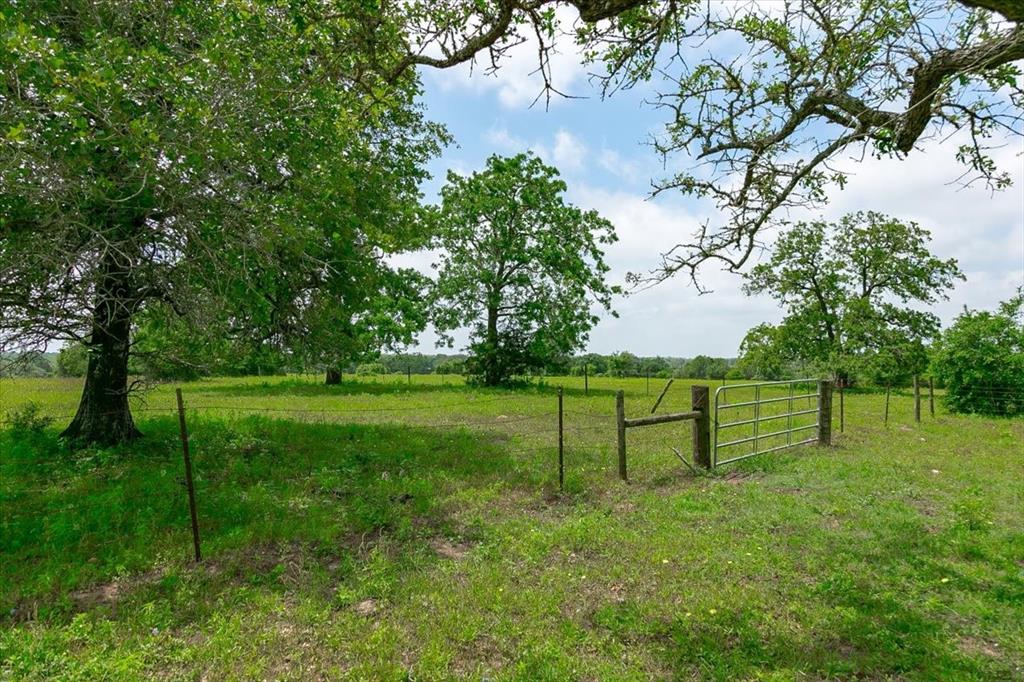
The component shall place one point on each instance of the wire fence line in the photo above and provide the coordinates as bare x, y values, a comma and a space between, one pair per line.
117, 501
96, 500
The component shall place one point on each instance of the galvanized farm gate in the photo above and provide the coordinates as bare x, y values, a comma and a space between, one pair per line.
785, 398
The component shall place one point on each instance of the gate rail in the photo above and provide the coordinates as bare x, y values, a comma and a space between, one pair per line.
821, 426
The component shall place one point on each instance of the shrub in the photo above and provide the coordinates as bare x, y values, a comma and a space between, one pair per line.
980, 359
27, 420
452, 366
371, 369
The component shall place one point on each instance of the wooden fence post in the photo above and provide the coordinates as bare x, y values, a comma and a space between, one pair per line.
188, 476
620, 423
561, 445
700, 401
824, 413
931, 395
917, 399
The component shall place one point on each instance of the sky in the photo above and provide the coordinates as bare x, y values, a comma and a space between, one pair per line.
601, 147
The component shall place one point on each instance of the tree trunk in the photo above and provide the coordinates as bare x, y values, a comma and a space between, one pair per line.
104, 417
333, 377
492, 374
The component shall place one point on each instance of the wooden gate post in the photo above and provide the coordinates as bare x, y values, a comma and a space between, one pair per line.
824, 413
700, 402
931, 395
620, 423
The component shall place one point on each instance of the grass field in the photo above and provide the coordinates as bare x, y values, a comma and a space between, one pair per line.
378, 530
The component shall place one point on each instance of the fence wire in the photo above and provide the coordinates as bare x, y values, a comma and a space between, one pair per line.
252, 469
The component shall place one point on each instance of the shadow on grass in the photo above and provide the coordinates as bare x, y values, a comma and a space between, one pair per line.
72, 519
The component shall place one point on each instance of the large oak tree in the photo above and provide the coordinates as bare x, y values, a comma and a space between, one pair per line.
235, 164
854, 292
519, 266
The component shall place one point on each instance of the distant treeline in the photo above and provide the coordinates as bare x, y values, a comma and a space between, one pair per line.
71, 362
622, 364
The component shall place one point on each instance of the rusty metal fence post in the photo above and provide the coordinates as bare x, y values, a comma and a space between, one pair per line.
188, 476
620, 426
931, 395
561, 445
917, 399
662, 396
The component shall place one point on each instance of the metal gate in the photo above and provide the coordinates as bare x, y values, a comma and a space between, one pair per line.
761, 404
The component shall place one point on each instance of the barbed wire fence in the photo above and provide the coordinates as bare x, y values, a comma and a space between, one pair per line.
172, 495
43, 509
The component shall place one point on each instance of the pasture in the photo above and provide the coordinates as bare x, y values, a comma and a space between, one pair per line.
382, 530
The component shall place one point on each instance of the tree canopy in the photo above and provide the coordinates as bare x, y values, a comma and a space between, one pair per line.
849, 290
980, 360
519, 266
247, 167
222, 163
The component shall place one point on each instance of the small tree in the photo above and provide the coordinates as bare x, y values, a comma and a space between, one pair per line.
705, 367
846, 288
623, 364
980, 359
761, 354
520, 267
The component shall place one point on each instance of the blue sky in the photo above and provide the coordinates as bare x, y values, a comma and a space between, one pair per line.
600, 146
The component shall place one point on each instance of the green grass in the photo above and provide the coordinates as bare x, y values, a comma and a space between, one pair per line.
378, 530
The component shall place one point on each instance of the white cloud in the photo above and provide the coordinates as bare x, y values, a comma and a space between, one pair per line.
503, 140
566, 151
616, 164
671, 318
569, 151
983, 230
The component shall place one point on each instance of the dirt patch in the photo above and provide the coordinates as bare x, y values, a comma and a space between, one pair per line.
974, 646
738, 477
109, 593
624, 507
456, 551
481, 656
367, 607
